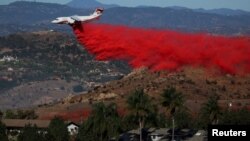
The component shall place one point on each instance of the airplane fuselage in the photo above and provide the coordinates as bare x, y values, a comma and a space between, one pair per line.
63, 20
73, 19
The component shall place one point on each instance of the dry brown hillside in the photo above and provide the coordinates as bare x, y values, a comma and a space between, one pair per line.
195, 84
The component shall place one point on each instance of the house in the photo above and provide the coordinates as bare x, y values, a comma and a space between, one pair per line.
10, 69
16, 125
200, 135
8, 59
163, 134
158, 134
132, 135
72, 128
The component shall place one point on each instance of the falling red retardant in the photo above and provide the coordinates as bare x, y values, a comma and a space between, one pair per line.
165, 49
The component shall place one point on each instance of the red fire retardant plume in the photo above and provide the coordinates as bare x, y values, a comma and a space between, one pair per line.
165, 49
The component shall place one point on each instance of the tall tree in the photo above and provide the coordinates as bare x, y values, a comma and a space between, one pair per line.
183, 119
9, 114
103, 124
238, 117
1, 114
57, 130
174, 102
210, 112
3, 135
140, 106
30, 133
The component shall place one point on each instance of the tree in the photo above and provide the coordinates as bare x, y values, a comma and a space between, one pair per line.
103, 124
239, 117
173, 101
20, 114
1, 115
129, 122
30, 133
26, 114
78, 88
153, 119
9, 114
140, 106
210, 112
3, 135
183, 119
57, 130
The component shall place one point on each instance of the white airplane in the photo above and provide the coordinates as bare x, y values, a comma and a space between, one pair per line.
79, 19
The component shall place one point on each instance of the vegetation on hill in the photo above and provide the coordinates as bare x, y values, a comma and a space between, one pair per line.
20, 114
49, 56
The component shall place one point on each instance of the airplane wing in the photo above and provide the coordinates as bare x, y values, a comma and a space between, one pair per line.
76, 18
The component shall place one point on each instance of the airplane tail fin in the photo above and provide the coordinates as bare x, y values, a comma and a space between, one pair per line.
98, 11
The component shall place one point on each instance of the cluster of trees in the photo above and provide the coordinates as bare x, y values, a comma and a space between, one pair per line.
19, 114
3, 135
211, 113
105, 122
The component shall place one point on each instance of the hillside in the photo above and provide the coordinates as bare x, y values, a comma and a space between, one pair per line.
40, 58
30, 16
195, 84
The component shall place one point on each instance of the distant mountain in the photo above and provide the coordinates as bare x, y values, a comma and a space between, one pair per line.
35, 12
219, 11
224, 11
182, 19
88, 4
34, 16
23, 16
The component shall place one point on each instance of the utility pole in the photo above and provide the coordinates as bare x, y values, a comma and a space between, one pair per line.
173, 130
140, 129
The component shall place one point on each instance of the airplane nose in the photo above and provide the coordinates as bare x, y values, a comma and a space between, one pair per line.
54, 21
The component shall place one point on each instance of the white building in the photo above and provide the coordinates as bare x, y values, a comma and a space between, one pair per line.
72, 128
8, 59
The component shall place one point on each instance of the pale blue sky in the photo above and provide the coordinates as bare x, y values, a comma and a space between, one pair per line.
207, 4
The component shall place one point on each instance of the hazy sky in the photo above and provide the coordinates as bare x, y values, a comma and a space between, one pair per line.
207, 4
